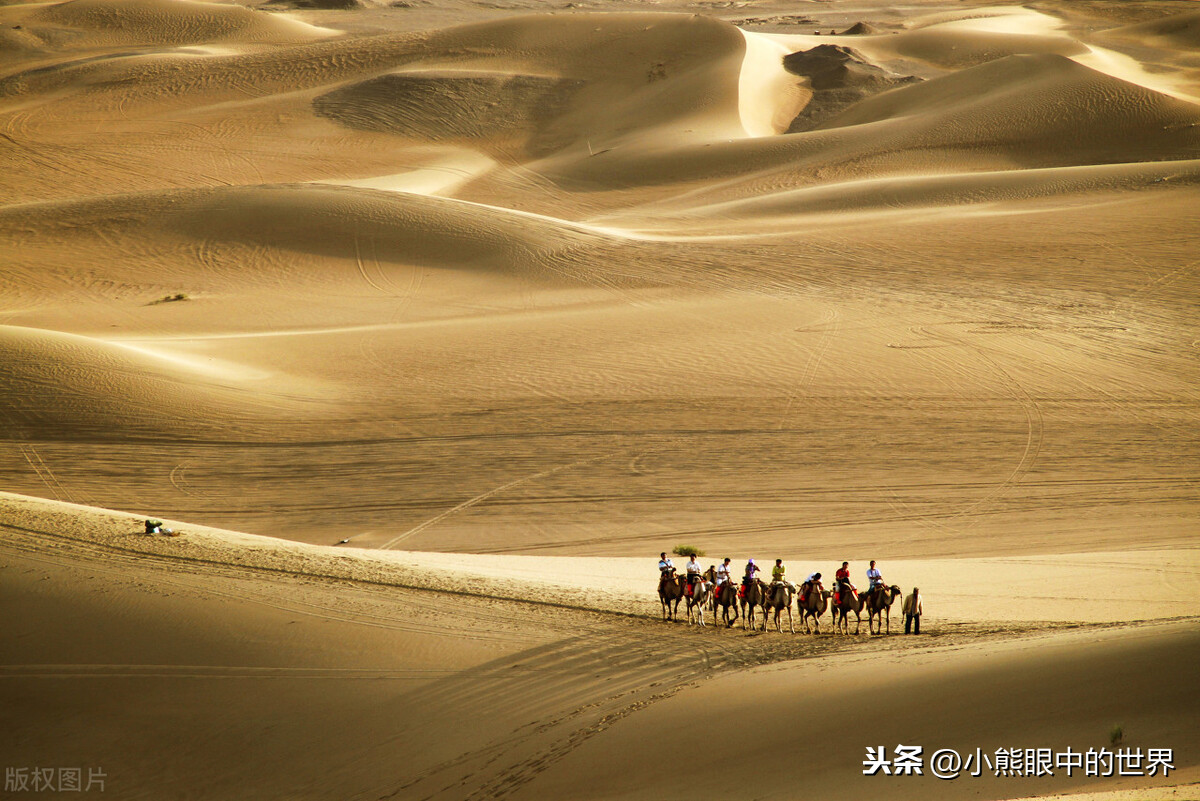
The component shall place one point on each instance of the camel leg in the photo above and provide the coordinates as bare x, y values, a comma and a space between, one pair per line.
791, 623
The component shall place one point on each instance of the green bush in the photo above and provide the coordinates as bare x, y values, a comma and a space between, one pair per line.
1116, 735
687, 550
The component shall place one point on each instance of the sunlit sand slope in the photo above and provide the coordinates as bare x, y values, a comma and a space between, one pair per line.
563, 283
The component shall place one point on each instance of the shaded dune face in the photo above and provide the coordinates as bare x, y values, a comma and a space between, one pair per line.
1180, 30
497, 113
540, 84
839, 77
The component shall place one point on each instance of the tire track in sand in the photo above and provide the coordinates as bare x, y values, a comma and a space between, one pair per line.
467, 504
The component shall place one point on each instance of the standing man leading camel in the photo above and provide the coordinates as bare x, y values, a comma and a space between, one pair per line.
912, 612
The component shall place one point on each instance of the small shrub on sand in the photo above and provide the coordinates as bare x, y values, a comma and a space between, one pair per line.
169, 298
1116, 735
687, 550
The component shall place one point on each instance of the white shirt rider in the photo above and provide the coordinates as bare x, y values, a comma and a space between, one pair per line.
693, 566
875, 577
722, 573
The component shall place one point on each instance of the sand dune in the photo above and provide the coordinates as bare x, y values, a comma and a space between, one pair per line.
1179, 30
326, 220
58, 385
428, 325
981, 697
1031, 111
167, 22
900, 195
121, 631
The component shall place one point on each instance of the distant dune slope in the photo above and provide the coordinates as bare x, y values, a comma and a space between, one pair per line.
1019, 111
1179, 30
559, 281
62, 386
172, 22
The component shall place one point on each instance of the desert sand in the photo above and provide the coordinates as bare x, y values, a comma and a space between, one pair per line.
427, 326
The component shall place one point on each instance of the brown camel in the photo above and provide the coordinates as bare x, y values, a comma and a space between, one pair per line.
813, 607
848, 602
670, 589
725, 597
755, 595
779, 597
879, 602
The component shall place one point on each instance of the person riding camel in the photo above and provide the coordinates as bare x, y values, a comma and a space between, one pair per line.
810, 583
693, 573
749, 578
723, 576
778, 575
842, 582
666, 568
875, 577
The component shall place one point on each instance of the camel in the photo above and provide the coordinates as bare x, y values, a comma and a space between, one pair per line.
670, 588
779, 597
701, 596
755, 595
879, 602
847, 602
726, 597
813, 607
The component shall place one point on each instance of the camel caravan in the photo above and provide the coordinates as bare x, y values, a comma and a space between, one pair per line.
716, 589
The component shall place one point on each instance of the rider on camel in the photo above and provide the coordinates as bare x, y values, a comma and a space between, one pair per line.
875, 577
693, 573
749, 578
842, 582
666, 568
723, 571
777, 575
810, 583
